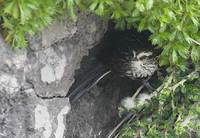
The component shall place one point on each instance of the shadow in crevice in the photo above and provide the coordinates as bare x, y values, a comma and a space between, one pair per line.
96, 113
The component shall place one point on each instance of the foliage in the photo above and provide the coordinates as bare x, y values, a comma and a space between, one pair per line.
22, 17
174, 110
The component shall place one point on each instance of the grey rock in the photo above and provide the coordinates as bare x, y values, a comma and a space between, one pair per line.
24, 115
47, 74
32, 79
63, 57
9, 83
96, 113
61, 29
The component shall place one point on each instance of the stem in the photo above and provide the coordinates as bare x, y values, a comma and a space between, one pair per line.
129, 115
138, 91
194, 41
140, 88
173, 88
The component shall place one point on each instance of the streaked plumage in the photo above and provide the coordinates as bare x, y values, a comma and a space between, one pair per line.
134, 65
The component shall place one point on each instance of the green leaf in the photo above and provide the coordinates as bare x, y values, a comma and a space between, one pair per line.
164, 60
195, 54
12, 9
195, 21
100, 9
70, 3
141, 25
9, 8
25, 12
183, 50
140, 6
93, 6
149, 4
174, 57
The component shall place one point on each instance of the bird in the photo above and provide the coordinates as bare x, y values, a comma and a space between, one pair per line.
131, 64
134, 65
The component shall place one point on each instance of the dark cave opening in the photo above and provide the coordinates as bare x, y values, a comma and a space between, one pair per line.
96, 112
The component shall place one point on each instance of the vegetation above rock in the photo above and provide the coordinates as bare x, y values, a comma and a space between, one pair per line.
174, 109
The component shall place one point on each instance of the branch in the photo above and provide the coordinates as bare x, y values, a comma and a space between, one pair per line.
173, 88
138, 91
194, 41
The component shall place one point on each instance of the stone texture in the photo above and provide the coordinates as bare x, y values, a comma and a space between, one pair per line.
61, 29
9, 83
96, 113
35, 81
24, 115
52, 66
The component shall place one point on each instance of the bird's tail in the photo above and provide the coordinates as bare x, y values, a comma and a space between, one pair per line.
89, 79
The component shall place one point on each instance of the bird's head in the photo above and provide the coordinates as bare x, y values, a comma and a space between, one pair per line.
144, 55
143, 64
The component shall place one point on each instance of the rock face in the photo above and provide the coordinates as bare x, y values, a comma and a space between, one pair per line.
35, 81
95, 114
